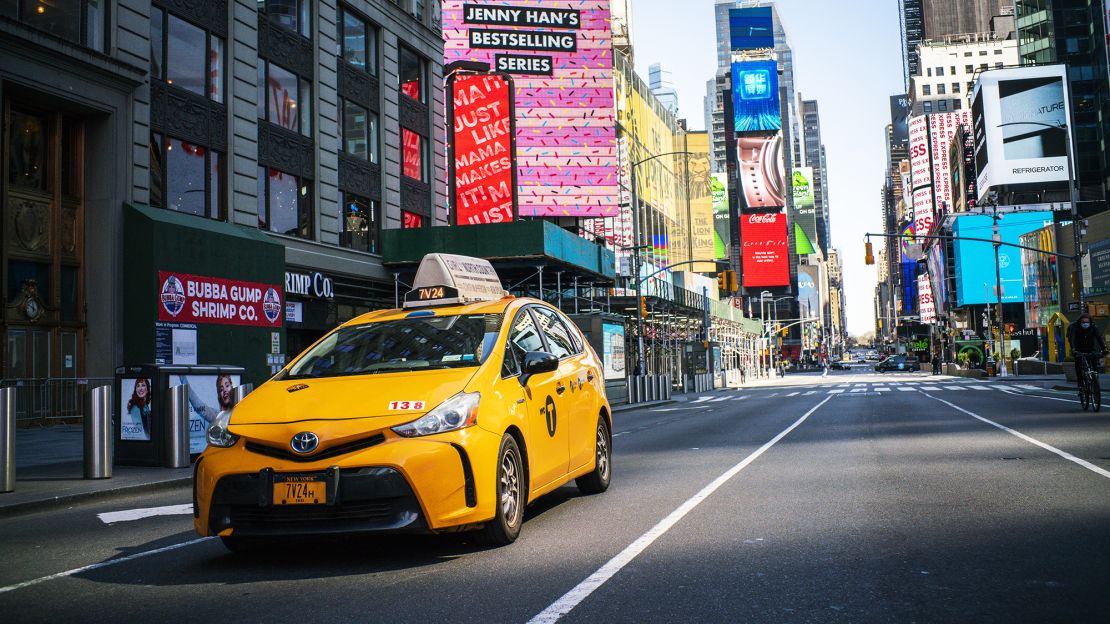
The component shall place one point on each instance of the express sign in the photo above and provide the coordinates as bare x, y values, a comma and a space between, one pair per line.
766, 258
187, 298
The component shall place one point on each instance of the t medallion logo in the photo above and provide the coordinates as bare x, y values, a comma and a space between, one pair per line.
173, 295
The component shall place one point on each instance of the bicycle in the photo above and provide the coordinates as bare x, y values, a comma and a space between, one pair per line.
1090, 392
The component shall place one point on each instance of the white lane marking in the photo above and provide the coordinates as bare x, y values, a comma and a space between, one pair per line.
128, 515
810, 392
666, 409
1048, 447
930, 387
950, 387
838, 391
905, 389
1038, 396
882, 389
581, 591
793, 394
701, 399
102, 564
861, 385
718, 399
1029, 387
978, 388
740, 398
859, 389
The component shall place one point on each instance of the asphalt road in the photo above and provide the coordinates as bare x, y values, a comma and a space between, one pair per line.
855, 498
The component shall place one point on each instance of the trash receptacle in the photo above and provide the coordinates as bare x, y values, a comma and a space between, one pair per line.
144, 411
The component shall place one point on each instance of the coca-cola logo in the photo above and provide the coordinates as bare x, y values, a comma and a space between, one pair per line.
762, 218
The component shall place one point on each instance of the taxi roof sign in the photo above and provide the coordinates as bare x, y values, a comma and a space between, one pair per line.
444, 279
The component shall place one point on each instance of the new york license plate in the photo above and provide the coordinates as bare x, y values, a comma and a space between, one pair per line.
300, 490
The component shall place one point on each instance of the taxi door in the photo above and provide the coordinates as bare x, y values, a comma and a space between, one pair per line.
547, 428
580, 394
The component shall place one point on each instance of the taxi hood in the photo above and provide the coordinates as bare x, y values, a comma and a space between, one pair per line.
382, 395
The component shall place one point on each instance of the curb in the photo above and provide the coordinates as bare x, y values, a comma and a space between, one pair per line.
625, 407
18, 509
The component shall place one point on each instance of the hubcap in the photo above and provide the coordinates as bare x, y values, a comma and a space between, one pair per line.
510, 487
602, 453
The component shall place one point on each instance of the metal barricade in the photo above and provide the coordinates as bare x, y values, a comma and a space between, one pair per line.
98, 433
47, 400
7, 439
176, 438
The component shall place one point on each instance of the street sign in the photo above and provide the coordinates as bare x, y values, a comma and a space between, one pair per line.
1073, 306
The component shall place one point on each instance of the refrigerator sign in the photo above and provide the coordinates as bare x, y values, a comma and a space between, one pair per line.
185, 298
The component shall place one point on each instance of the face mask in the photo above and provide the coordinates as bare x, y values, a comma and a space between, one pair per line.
1085, 325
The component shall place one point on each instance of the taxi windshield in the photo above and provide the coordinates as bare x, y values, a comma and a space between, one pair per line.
408, 344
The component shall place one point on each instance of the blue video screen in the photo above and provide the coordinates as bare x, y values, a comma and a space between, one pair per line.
755, 96
751, 29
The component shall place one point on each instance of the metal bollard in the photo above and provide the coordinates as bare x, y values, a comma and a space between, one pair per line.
175, 437
7, 439
98, 433
241, 391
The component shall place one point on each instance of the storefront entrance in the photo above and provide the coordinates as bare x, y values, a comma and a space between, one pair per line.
41, 277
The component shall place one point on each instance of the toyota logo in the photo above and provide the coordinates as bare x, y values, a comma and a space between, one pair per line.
304, 442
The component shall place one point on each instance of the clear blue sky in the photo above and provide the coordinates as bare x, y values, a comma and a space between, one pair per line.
847, 56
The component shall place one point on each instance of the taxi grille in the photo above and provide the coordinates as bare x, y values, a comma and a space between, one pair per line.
335, 451
249, 516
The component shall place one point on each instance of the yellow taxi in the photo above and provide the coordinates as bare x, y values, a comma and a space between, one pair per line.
451, 413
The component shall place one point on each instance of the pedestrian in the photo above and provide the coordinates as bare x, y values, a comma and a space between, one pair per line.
936, 363
825, 365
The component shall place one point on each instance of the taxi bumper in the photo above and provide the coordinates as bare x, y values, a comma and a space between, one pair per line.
395, 485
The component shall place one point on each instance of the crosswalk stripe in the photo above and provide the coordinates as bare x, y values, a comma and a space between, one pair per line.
1028, 387
702, 399
810, 392
979, 387
953, 387
837, 391
859, 389
718, 399
740, 398
905, 389
930, 388
883, 389
793, 394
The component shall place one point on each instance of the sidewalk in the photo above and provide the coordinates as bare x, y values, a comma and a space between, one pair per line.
50, 472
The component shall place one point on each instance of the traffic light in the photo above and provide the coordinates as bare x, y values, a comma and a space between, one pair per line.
1010, 327
732, 285
868, 253
785, 332
1075, 286
643, 307
726, 282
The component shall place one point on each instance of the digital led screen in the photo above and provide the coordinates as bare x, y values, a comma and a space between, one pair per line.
805, 211
561, 58
751, 28
482, 164
766, 255
975, 266
762, 171
755, 96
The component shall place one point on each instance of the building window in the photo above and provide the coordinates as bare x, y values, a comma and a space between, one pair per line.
358, 131
926, 89
292, 14
982, 52
284, 203
412, 72
79, 21
956, 105
998, 65
929, 71
967, 53
186, 177
983, 66
998, 51
941, 89
284, 99
955, 87
411, 220
940, 71
361, 224
927, 107
943, 106
414, 155
186, 56
969, 69
952, 70
357, 42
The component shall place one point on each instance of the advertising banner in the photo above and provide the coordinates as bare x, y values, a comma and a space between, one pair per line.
942, 129
920, 172
185, 298
909, 288
613, 351
975, 265
766, 256
561, 57
482, 168
702, 232
1019, 116
1042, 291
805, 211
755, 96
762, 172
721, 237
925, 303
937, 279
899, 119
136, 406
751, 28
208, 396
809, 277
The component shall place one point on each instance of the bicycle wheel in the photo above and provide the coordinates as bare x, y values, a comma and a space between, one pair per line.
1096, 395
1084, 402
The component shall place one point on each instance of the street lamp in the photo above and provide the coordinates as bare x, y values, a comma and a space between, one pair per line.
636, 253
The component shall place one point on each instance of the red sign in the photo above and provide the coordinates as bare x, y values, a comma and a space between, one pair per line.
411, 154
411, 220
483, 166
766, 253
184, 298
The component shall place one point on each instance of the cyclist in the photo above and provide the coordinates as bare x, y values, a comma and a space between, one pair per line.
1086, 344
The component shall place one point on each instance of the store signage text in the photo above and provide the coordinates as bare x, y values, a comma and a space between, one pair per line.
521, 16
483, 165
540, 41
315, 285
188, 298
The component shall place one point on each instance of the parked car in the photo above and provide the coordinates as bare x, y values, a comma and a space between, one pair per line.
899, 363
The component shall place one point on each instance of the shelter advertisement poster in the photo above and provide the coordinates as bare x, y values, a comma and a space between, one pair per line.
208, 396
482, 167
766, 255
136, 397
613, 351
561, 57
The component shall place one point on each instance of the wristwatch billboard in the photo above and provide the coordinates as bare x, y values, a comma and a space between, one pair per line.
761, 170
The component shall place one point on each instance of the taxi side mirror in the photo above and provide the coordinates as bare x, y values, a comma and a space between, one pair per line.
536, 362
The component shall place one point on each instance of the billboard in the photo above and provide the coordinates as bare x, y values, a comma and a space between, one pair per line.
1042, 292
751, 28
975, 266
925, 302
899, 119
755, 96
721, 230
805, 211
1018, 119
482, 149
766, 256
937, 272
909, 288
184, 298
930, 174
762, 171
561, 57
809, 280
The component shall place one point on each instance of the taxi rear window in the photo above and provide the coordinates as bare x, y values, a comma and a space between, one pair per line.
409, 344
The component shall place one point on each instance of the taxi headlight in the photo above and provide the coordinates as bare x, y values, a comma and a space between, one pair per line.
457, 412
218, 435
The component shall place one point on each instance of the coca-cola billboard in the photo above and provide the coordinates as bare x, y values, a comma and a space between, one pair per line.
766, 253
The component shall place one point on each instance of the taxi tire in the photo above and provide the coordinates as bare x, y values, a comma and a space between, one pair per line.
597, 481
501, 531
242, 545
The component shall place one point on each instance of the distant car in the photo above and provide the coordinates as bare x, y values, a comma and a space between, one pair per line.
898, 363
840, 365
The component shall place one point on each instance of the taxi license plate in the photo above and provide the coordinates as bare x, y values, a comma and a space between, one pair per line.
300, 489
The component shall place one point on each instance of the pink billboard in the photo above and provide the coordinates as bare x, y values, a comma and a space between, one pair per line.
560, 55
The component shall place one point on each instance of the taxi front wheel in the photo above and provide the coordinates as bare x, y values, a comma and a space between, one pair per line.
597, 481
505, 526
